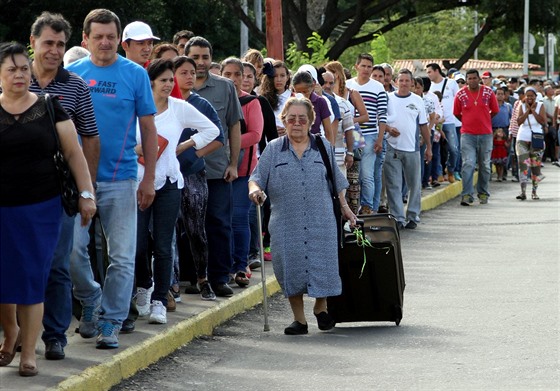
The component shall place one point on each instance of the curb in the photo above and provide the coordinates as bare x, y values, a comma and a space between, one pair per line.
133, 359
441, 196
128, 362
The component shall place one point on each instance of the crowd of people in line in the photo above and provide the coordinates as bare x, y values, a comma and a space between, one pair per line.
178, 151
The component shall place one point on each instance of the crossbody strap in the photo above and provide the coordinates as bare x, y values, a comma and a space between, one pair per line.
50, 111
327, 163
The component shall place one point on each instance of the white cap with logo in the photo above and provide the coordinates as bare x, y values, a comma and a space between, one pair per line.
138, 31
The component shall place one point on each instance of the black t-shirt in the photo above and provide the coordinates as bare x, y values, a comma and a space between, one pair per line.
27, 145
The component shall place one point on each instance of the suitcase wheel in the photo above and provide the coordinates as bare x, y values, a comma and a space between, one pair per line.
398, 315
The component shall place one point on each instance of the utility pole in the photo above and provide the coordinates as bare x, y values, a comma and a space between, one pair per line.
243, 32
258, 13
526, 39
274, 33
476, 32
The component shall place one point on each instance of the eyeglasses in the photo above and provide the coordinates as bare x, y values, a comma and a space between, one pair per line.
300, 121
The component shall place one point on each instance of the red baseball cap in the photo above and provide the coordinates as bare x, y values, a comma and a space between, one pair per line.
487, 74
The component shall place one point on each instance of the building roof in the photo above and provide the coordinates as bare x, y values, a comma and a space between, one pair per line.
419, 65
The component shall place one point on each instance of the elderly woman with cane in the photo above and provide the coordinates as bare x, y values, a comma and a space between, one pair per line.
302, 226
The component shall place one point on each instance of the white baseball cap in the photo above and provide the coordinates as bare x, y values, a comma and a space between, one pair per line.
138, 31
310, 69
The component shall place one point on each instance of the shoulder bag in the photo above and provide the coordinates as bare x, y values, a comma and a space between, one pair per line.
68, 189
334, 194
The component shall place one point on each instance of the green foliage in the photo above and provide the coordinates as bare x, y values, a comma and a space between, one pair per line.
316, 54
380, 50
208, 18
445, 34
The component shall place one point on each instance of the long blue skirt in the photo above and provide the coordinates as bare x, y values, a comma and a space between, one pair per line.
28, 237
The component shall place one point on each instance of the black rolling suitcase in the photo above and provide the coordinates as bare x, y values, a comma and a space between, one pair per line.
372, 291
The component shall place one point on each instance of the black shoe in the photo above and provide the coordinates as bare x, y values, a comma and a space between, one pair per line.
411, 225
223, 290
54, 350
400, 225
296, 328
325, 321
382, 209
192, 289
127, 326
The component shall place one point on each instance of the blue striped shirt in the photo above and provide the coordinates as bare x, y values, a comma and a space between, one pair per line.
375, 100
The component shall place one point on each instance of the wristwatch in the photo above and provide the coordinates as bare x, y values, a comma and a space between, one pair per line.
350, 153
87, 195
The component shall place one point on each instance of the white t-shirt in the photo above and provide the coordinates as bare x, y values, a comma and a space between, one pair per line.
170, 124
524, 132
405, 114
451, 89
282, 99
345, 125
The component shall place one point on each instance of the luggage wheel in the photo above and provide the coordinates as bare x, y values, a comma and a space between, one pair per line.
398, 315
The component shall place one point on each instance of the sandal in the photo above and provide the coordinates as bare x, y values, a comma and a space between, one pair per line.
241, 279
7, 357
534, 196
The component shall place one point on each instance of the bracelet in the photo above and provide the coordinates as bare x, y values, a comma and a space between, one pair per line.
350, 153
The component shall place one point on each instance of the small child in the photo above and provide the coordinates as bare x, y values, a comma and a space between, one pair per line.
500, 152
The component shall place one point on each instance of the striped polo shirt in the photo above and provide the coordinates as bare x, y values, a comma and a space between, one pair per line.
375, 100
74, 96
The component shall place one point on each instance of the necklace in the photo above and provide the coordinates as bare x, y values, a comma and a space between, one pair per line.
476, 99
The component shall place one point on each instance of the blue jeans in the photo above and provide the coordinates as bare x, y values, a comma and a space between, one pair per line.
240, 224
397, 163
218, 229
459, 163
370, 172
435, 169
117, 206
452, 149
57, 313
476, 151
163, 214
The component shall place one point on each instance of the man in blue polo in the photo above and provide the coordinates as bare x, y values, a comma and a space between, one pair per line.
49, 34
121, 95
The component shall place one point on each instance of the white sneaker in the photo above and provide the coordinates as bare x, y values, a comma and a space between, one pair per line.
143, 297
158, 313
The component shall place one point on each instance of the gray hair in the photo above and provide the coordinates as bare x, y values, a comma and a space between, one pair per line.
74, 54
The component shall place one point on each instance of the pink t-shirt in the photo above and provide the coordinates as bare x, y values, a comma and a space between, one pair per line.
253, 117
474, 109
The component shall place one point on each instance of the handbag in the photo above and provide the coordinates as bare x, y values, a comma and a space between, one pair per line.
334, 194
68, 189
537, 139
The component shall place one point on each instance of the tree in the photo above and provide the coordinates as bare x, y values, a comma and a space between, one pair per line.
344, 20
209, 18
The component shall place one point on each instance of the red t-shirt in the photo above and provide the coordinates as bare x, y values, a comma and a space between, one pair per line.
474, 109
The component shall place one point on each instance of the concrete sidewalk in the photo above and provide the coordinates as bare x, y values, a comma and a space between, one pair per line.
87, 368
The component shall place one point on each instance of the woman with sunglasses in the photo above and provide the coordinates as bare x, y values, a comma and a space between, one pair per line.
302, 224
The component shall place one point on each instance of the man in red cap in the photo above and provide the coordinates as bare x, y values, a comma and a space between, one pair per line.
487, 79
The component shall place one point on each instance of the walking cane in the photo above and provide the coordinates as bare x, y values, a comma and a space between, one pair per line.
263, 274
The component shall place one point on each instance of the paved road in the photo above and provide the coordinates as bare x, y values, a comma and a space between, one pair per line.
481, 312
